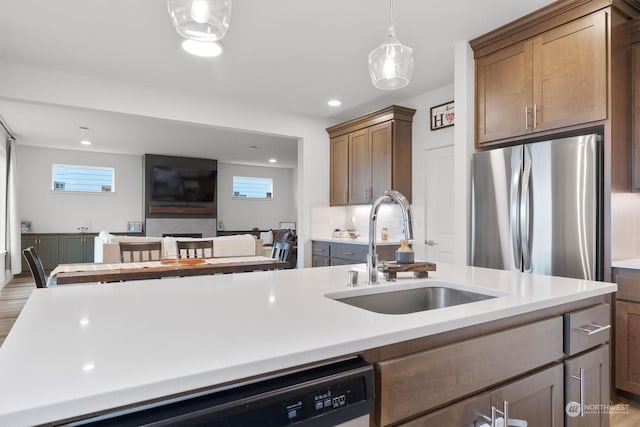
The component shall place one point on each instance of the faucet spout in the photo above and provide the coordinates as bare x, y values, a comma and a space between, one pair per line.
407, 227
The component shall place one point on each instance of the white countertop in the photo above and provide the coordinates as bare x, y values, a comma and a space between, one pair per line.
633, 264
79, 349
357, 241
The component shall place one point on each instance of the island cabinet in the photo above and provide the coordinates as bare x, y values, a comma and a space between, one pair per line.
627, 348
369, 155
46, 246
528, 366
329, 253
546, 71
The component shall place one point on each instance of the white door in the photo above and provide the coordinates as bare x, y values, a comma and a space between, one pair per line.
439, 210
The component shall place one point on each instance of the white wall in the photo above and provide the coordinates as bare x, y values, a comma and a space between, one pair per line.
244, 214
51, 212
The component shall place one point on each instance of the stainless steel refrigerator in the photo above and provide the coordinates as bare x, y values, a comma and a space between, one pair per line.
538, 208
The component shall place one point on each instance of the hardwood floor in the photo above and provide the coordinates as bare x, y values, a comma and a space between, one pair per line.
15, 295
12, 298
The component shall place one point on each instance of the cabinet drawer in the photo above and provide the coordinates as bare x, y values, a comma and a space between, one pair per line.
349, 252
320, 248
586, 328
628, 287
413, 384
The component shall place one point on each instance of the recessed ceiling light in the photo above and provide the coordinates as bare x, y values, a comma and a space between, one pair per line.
85, 142
272, 160
334, 103
203, 49
253, 147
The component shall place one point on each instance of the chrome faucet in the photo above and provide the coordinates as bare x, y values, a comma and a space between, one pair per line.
407, 227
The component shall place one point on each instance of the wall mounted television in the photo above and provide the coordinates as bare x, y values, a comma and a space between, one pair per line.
173, 184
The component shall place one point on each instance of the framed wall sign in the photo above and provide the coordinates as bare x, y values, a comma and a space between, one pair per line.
443, 115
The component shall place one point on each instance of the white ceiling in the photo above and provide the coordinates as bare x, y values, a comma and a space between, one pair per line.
288, 55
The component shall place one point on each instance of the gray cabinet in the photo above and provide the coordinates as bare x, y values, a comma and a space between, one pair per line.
47, 247
76, 248
332, 253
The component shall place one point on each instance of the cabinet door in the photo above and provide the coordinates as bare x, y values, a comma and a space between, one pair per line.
359, 167
504, 93
537, 399
628, 346
72, 249
468, 413
48, 251
89, 249
339, 261
570, 73
381, 159
339, 175
595, 385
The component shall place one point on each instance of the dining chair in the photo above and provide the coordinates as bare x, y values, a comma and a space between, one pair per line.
195, 248
36, 267
281, 250
137, 251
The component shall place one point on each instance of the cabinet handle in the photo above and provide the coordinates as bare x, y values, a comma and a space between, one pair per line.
348, 253
503, 420
345, 196
581, 379
535, 116
526, 118
593, 328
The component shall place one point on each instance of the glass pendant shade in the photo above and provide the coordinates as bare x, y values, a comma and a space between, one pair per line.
200, 20
391, 64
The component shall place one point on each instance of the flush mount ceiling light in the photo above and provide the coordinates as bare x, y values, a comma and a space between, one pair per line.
391, 64
273, 161
84, 135
334, 103
200, 20
203, 49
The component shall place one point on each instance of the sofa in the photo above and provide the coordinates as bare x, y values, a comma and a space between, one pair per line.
107, 248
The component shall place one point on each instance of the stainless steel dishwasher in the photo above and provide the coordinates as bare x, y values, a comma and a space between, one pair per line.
325, 395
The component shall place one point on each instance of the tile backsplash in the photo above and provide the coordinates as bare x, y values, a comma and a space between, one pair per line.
325, 219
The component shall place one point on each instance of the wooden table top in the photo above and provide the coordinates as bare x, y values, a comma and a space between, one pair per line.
65, 274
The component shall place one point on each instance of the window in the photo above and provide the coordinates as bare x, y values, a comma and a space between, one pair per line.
87, 179
252, 188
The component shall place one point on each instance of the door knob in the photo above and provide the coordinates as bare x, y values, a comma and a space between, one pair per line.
430, 242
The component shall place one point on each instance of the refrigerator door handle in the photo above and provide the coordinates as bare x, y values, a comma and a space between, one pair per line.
515, 216
525, 213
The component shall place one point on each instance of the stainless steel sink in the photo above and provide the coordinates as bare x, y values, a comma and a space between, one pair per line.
412, 300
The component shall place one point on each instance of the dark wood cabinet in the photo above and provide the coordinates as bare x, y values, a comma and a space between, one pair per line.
339, 191
634, 31
627, 331
376, 150
550, 77
76, 249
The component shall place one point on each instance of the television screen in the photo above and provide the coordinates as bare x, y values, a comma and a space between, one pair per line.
183, 184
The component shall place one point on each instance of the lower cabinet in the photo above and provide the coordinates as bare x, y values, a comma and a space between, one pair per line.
329, 253
76, 249
528, 373
587, 387
536, 400
47, 247
627, 342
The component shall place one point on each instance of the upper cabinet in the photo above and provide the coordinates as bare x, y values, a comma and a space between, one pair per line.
371, 154
554, 80
634, 30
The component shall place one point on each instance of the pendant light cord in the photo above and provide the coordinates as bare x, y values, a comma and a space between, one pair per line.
391, 13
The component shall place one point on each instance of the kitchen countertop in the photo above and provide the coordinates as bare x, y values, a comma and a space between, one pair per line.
79, 349
633, 264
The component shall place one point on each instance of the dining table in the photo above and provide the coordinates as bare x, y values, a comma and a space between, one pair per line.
66, 274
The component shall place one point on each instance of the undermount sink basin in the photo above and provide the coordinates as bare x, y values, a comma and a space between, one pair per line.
412, 300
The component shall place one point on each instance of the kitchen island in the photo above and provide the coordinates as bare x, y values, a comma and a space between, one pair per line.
83, 349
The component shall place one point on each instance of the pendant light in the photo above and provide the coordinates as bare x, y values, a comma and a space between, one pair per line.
200, 20
391, 64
